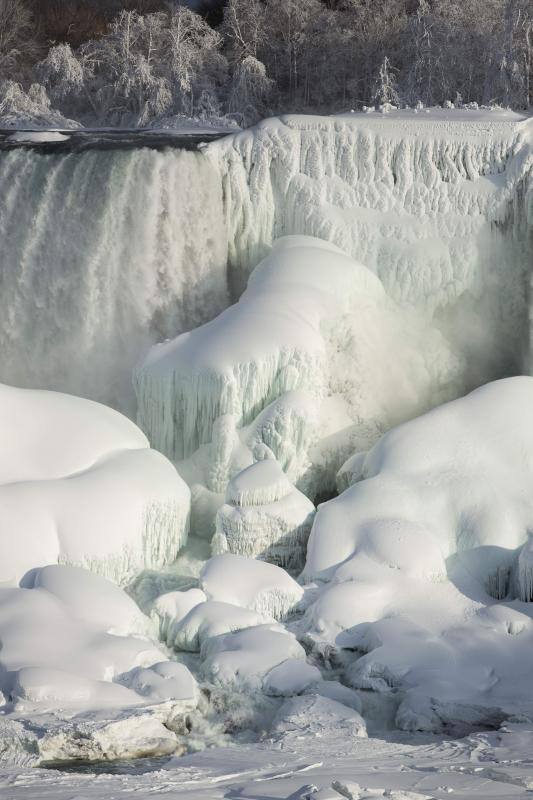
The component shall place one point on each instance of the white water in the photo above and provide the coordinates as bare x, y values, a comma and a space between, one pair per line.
104, 253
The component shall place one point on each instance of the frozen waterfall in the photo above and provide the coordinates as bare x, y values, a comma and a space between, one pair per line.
439, 206
152, 243
104, 253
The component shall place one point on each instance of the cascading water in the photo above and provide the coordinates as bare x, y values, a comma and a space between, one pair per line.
104, 253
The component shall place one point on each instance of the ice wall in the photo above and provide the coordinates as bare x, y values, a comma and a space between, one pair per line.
435, 203
103, 253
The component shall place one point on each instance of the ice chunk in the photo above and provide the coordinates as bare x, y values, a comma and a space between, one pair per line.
264, 517
133, 737
60, 454
251, 584
261, 484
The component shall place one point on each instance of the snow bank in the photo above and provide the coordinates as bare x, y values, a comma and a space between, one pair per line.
255, 585
264, 517
426, 562
79, 485
313, 359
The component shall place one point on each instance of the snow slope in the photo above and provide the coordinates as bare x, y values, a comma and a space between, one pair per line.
79, 485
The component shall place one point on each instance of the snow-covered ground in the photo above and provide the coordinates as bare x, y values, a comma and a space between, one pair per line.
352, 615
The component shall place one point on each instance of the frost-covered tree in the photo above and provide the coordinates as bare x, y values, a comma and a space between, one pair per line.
250, 90
385, 88
18, 45
244, 29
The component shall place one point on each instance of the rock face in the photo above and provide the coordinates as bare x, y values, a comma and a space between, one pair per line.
264, 517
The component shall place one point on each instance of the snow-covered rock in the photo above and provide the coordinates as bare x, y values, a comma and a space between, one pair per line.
170, 608
210, 619
264, 517
79, 485
290, 677
243, 658
425, 562
255, 585
312, 715
62, 648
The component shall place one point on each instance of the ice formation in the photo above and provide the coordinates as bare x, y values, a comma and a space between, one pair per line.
414, 557
255, 585
79, 485
264, 517
433, 203
301, 368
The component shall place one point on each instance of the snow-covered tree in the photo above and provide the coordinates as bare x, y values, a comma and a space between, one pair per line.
250, 90
18, 45
385, 88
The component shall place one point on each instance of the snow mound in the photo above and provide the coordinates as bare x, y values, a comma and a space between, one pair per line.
244, 658
264, 517
210, 619
425, 563
313, 716
314, 360
170, 608
62, 454
290, 677
65, 639
255, 585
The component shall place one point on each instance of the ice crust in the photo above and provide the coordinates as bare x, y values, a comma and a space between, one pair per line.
79, 485
424, 563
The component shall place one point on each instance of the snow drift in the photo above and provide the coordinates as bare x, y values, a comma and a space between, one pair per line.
79, 485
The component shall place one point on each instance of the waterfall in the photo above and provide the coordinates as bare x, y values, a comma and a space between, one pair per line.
103, 253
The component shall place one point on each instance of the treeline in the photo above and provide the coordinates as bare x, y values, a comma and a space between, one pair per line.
134, 61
